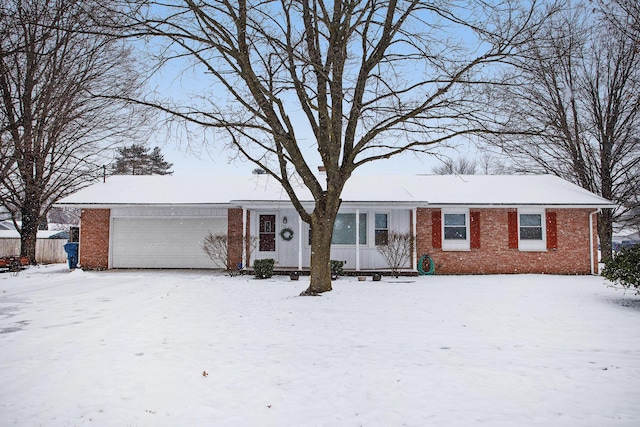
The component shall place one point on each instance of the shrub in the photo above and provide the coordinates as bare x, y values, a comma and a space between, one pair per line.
216, 246
263, 268
336, 267
624, 268
396, 251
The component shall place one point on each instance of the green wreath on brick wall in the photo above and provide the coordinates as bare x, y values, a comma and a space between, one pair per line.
286, 234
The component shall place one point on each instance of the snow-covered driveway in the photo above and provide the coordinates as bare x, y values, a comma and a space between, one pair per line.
172, 348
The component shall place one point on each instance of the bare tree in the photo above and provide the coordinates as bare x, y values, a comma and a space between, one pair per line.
216, 246
574, 111
397, 250
459, 166
487, 164
355, 81
57, 114
624, 14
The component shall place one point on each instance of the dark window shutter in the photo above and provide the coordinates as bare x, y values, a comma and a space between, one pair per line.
474, 220
436, 229
552, 231
512, 223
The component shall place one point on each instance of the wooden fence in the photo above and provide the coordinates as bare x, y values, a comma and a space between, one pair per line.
48, 251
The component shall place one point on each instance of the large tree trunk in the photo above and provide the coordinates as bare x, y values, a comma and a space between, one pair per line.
322, 221
29, 231
605, 233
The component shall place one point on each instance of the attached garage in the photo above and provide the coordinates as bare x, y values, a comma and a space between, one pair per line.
162, 242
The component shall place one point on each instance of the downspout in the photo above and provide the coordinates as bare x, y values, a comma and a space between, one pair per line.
591, 241
244, 238
414, 233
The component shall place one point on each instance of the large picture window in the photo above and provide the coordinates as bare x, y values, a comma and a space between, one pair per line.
344, 229
455, 229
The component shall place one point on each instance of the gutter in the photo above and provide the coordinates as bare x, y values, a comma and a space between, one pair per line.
518, 205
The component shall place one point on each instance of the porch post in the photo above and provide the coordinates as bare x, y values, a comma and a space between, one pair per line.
300, 241
357, 239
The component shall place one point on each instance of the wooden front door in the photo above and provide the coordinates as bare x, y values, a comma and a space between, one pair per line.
267, 233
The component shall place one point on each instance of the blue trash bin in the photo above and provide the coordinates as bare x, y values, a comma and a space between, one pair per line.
71, 249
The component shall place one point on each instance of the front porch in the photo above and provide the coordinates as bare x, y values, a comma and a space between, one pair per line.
385, 272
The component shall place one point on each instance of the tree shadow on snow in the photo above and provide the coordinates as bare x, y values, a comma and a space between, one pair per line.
629, 300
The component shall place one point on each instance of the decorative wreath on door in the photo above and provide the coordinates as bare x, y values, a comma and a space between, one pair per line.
286, 234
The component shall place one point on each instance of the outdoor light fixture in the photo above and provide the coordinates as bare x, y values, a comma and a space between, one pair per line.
284, 220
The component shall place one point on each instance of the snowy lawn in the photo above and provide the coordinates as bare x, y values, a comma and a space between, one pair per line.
122, 348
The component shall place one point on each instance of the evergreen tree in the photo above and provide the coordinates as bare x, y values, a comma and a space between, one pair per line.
158, 165
136, 160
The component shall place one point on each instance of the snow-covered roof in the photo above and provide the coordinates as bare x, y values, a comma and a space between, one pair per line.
419, 190
7, 225
177, 190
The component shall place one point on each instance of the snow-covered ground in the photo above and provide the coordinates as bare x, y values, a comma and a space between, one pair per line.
122, 348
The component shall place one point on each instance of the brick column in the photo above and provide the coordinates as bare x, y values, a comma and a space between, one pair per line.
234, 237
94, 238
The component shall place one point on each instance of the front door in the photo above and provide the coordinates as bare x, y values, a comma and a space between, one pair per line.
267, 233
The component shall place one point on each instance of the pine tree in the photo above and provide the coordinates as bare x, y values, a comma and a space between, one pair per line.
136, 160
158, 165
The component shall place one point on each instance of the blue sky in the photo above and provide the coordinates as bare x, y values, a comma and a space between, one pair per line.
215, 162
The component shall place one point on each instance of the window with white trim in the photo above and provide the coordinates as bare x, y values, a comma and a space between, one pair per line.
455, 229
344, 229
532, 230
381, 231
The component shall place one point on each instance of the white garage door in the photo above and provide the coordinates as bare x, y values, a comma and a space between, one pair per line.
162, 242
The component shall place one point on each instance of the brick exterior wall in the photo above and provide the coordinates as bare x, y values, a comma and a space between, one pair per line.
94, 238
494, 256
234, 234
